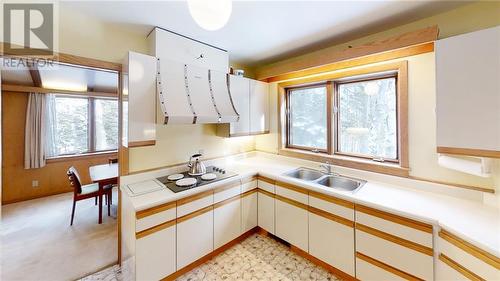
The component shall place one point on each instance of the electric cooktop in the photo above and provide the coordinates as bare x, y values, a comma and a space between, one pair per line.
220, 174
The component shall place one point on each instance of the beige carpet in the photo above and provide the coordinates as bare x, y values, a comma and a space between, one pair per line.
37, 242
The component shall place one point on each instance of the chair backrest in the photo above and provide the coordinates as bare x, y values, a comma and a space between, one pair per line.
74, 179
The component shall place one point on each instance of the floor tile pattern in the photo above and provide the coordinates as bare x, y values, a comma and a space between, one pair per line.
256, 258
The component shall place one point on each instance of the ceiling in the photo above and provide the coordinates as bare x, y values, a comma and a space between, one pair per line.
260, 32
63, 77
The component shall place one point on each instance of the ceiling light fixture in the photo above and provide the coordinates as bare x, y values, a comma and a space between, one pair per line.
210, 14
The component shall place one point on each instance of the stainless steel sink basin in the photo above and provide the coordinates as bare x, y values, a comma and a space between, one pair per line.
305, 174
333, 181
342, 183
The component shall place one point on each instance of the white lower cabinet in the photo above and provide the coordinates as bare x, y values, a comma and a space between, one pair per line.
291, 224
367, 271
195, 238
227, 222
155, 255
266, 212
248, 212
332, 242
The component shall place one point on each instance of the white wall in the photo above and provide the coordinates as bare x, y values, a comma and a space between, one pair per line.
421, 126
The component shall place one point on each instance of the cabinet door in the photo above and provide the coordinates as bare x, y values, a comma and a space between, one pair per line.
266, 212
240, 93
195, 237
155, 255
141, 99
332, 242
248, 212
291, 224
259, 107
227, 222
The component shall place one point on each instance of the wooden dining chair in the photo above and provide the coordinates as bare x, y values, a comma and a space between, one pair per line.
82, 192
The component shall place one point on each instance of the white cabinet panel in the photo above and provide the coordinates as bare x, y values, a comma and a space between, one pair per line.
266, 212
155, 219
291, 194
239, 87
155, 255
269, 187
366, 271
195, 238
332, 208
248, 186
139, 99
195, 205
248, 212
292, 224
468, 90
447, 273
259, 107
332, 243
227, 223
227, 193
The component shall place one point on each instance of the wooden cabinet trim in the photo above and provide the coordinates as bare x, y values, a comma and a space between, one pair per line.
268, 180
458, 267
331, 217
395, 239
195, 214
469, 151
291, 202
386, 267
227, 201
471, 249
142, 143
250, 192
292, 187
332, 199
154, 210
227, 186
395, 218
194, 197
265, 192
156, 228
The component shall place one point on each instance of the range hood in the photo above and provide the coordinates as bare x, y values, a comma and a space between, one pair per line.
190, 94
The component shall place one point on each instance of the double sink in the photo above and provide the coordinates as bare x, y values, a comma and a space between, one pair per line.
328, 180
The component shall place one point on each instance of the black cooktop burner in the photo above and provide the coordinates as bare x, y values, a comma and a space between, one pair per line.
220, 173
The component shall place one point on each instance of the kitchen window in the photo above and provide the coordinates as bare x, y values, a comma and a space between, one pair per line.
355, 119
80, 125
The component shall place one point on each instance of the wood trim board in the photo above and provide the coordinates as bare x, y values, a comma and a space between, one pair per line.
31, 89
194, 197
331, 217
292, 187
156, 228
469, 152
395, 239
332, 199
395, 218
291, 202
133, 144
387, 267
265, 192
155, 210
381, 50
195, 214
265, 179
470, 249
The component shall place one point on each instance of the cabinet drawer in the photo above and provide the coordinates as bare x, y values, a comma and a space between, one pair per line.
408, 229
471, 258
154, 216
292, 192
336, 206
368, 269
396, 252
227, 191
266, 184
193, 203
248, 185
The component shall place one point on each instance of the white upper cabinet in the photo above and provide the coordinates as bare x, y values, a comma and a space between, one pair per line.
468, 93
139, 100
251, 101
259, 107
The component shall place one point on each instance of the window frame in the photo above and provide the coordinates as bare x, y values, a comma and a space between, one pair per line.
328, 120
336, 113
398, 69
91, 138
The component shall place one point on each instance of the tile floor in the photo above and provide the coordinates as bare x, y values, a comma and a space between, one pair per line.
256, 258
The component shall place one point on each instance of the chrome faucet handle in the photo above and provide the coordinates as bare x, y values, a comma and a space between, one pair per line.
327, 167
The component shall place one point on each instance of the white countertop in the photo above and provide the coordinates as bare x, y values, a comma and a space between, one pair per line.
473, 221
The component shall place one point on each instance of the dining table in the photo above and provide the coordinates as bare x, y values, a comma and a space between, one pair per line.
104, 174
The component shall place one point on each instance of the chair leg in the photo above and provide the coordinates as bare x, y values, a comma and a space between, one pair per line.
100, 208
109, 203
73, 212
96, 200
106, 199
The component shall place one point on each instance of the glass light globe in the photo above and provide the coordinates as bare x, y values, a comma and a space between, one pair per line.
210, 14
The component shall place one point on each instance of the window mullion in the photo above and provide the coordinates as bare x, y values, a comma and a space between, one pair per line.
91, 125
329, 116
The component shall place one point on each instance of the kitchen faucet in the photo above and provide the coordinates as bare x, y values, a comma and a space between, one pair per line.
327, 167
